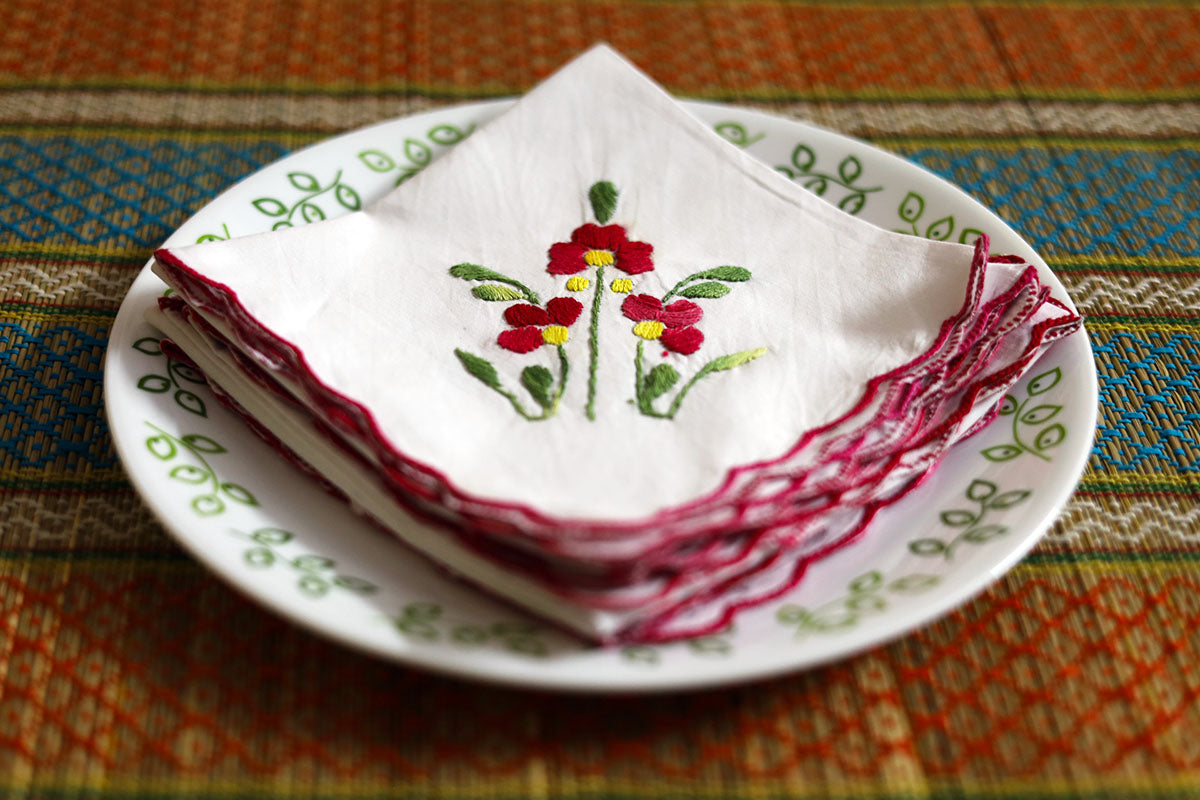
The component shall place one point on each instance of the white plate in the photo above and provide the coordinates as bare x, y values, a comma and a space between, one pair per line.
267, 530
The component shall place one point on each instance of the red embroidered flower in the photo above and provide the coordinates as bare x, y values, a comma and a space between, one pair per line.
534, 326
672, 324
600, 246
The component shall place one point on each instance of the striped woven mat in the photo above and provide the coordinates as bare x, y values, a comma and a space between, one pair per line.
128, 671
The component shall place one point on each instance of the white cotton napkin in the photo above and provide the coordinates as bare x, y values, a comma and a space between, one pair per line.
624, 360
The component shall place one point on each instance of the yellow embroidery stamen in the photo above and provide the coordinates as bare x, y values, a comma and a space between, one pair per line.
554, 334
622, 285
578, 284
598, 258
648, 329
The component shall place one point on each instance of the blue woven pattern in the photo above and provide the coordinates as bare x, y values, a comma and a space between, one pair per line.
112, 192
1084, 201
51, 414
1149, 402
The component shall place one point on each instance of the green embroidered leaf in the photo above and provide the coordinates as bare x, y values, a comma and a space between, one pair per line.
189, 401
496, 293
347, 197
206, 505
853, 203
481, 368
259, 557
733, 360
352, 584
310, 563
474, 272
312, 212
238, 493
1039, 414
448, 134
914, 583
868, 582
272, 536
153, 383
270, 206
417, 152
803, 157
1009, 499
538, 380
983, 534
1050, 437
202, 444
304, 181
969, 235
1008, 406
189, 474
376, 160
162, 447
849, 169
981, 490
313, 586
912, 207
927, 547
941, 229
148, 345
1001, 452
817, 185
659, 381
708, 289
727, 274
1044, 382
603, 196
958, 518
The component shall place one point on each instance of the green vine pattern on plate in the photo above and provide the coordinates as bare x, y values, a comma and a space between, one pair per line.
309, 210
176, 371
714, 645
427, 622
1035, 420
735, 133
912, 208
803, 169
417, 154
214, 237
867, 594
987, 498
167, 447
316, 573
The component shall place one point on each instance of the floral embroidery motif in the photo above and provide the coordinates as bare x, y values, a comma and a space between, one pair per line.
592, 249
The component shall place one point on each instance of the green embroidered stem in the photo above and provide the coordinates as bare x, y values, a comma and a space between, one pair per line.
638, 379
593, 343
483, 371
564, 370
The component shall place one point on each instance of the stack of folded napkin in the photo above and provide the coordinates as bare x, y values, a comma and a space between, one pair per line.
601, 363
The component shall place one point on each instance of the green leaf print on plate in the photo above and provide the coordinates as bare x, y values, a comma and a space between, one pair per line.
167, 447
867, 594
911, 209
317, 574
988, 498
1033, 419
803, 170
427, 622
307, 209
715, 645
176, 371
417, 154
